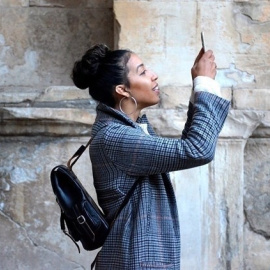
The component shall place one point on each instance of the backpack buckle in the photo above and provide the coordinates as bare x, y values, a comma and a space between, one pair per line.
81, 219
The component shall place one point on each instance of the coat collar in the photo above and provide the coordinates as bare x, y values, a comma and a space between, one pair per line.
106, 114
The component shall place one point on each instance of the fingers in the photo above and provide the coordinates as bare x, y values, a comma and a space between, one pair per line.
204, 65
201, 53
209, 56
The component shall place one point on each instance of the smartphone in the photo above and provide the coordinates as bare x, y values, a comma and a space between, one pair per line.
202, 39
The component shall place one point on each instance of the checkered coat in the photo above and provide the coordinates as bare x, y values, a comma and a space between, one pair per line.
146, 234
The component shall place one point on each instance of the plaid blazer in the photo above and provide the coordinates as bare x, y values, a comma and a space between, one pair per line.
146, 234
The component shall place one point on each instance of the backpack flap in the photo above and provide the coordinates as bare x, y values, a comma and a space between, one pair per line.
83, 218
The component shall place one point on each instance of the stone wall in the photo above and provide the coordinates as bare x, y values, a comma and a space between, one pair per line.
223, 207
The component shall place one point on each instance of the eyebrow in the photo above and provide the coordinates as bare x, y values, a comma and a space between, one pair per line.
141, 65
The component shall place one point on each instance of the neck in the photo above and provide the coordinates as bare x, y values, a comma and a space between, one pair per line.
133, 116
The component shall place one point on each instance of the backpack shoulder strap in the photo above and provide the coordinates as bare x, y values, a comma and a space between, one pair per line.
78, 154
126, 199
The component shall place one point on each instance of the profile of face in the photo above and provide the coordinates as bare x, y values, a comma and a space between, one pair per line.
143, 83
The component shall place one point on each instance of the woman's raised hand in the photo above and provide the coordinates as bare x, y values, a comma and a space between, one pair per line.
204, 65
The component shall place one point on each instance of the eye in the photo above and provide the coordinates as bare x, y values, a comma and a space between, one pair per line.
143, 73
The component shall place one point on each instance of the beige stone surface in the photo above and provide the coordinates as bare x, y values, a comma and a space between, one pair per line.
257, 195
29, 219
209, 200
256, 204
256, 250
252, 99
14, 3
160, 38
72, 3
64, 96
242, 62
40, 47
223, 207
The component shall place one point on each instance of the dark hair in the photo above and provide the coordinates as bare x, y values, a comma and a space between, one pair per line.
101, 69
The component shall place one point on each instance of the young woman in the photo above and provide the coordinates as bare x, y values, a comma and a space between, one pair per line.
125, 149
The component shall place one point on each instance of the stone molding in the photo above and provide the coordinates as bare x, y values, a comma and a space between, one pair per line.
63, 110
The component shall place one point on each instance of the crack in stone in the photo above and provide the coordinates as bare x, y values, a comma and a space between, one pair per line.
232, 97
228, 241
78, 266
19, 226
254, 230
255, 21
226, 232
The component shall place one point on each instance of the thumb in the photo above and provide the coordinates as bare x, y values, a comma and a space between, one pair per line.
199, 56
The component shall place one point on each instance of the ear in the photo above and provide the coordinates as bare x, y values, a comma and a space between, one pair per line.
121, 90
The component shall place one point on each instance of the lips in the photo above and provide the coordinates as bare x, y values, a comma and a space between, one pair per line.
156, 88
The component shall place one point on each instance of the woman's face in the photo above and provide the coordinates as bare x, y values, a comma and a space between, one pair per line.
143, 83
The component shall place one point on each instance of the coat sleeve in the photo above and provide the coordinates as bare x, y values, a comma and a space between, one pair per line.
136, 153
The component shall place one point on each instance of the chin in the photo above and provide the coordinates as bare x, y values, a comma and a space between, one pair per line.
155, 103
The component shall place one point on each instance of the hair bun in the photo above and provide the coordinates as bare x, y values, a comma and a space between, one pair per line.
86, 69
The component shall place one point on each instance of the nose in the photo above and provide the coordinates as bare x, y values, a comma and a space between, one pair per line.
154, 76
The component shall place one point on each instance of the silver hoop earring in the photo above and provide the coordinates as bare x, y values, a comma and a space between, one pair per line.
120, 105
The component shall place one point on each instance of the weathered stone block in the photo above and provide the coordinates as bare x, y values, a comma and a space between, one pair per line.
169, 53
257, 197
241, 62
252, 99
29, 214
40, 121
40, 49
14, 3
209, 200
72, 3
53, 95
257, 203
256, 250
